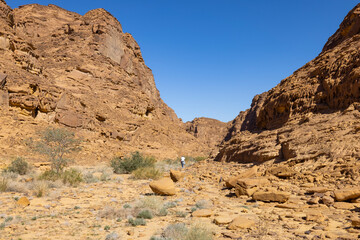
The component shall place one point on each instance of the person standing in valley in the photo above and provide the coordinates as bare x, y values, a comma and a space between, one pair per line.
182, 160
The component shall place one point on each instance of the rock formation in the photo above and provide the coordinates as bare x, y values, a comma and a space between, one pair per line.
311, 116
84, 73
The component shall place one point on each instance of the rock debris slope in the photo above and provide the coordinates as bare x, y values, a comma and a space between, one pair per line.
311, 116
85, 73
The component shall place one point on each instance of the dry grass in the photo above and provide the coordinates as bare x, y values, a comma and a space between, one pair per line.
20, 187
40, 188
4, 183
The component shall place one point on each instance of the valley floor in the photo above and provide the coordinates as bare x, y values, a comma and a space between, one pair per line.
100, 210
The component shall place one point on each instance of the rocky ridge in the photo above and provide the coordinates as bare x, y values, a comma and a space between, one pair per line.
311, 116
82, 72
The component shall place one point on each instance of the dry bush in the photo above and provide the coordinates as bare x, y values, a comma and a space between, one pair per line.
89, 177
152, 203
199, 231
175, 231
15, 186
40, 188
179, 231
106, 173
147, 173
110, 212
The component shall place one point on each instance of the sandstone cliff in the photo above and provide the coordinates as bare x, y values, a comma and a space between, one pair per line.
85, 73
311, 116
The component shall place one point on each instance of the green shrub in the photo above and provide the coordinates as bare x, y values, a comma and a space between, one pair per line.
137, 222
19, 166
72, 177
130, 164
147, 173
145, 214
181, 214
49, 175
163, 212
56, 143
199, 159
126, 205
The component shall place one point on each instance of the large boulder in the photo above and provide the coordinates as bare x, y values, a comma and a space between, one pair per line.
163, 186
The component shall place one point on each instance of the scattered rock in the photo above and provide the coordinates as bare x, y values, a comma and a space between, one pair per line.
327, 200
343, 205
317, 190
222, 220
251, 173
281, 171
315, 216
355, 222
241, 222
202, 213
176, 175
347, 194
247, 186
272, 196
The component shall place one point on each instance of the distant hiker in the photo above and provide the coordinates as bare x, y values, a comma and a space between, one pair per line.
182, 160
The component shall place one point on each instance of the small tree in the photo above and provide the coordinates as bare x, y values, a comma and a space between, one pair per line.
56, 143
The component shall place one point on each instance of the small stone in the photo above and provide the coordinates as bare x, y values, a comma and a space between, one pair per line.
202, 213
271, 196
327, 200
23, 201
222, 220
317, 190
315, 216
355, 222
343, 205
241, 223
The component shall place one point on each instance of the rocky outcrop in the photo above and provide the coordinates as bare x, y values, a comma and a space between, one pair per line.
313, 115
84, 73
209, 132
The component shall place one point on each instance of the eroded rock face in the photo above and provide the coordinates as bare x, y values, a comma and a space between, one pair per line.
313, 115
85, 73
209, 132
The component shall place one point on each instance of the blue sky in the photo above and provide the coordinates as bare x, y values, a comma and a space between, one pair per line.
211, 57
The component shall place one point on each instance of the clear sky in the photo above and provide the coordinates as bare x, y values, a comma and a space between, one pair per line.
211, 57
